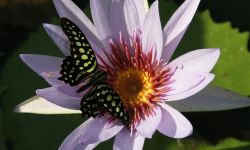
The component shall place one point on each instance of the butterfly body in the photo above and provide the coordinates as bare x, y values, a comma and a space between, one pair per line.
81, 68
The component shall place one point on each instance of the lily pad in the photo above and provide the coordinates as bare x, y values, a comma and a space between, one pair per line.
228, 144
232, 70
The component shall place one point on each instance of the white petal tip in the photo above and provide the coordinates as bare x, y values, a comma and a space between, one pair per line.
38, 91
17, 109
21, 108
23, 56
216, 51
39, 105
174, 124
146, 6
46, 26
26, 57
148, 126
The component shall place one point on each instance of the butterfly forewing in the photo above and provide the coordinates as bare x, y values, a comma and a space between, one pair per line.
89, 106
82, 61
69, 72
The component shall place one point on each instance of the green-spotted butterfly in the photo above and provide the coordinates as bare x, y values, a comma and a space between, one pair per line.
81, 67
82, 62
104, 99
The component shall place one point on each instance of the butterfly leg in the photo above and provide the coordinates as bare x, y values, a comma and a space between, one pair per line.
95, 79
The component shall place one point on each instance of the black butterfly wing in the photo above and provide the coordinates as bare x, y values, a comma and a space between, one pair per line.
89, 106
109, 100
69, 72
82, 61
104, 99
82, 64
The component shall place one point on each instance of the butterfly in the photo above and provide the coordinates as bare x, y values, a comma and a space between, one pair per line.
81, 67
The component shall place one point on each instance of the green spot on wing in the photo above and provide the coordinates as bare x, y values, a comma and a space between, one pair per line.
81, 50
78, 44
84, 57
117, 109
109, 98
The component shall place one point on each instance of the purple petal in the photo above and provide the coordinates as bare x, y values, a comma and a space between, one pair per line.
72, 142
173, 123
117, 20
211, 99
169, 48
187, 84
152, 31
116, 16
62, 42
141, 10
72, 90
67, 9
202, 60
149, 124
42, 63
176, 27
60, 39
124, 19
131, 17
55, 96
100, 130
183, 80
46, 66
100, 10
52, 78
125, 141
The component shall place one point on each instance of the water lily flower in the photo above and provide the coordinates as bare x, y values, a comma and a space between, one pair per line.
135, 52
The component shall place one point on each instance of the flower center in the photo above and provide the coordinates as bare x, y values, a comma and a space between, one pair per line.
133, 86
137, 76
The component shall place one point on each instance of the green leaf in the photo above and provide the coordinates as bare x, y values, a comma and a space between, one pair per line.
232, 70
228, 144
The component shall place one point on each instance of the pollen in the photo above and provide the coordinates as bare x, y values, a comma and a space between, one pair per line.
140, 80
133, 86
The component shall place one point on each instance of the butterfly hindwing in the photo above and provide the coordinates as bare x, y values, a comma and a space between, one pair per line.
82, 59
104, 99
109, 100
89, 106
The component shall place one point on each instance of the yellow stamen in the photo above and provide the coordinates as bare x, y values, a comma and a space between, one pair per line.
133, 86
